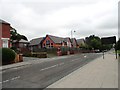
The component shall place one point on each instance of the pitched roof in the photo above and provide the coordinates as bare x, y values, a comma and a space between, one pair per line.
21, 41
24, 41
36, 41
66, 39
56, 39
73, 40
80, 41
2, 21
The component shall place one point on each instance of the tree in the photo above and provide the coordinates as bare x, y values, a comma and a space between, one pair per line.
93, 42
16, 36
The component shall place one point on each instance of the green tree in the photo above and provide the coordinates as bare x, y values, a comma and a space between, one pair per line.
93, 42
16, 36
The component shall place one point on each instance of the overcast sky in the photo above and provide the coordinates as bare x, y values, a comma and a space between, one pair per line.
36, 18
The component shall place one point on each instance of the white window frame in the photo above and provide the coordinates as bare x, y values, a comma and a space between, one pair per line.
5, 45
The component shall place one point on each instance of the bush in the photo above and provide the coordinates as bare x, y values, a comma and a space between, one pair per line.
8, 56
27, 54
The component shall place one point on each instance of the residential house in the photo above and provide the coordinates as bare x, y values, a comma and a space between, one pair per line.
21, 45
36, 43
67, 42
74, 43
80, 42
56, 42
5, 34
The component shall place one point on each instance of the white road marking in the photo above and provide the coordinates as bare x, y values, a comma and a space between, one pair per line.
74, 60
15, 78
10, 79
6, 81
49, 67
0, 82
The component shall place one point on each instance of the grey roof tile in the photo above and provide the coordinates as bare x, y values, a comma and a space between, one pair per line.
80, 40
56, 39
36, 41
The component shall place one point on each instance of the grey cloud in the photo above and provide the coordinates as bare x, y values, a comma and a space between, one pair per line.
35, 26
109, 24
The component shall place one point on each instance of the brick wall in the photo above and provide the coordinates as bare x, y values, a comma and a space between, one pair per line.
5, 33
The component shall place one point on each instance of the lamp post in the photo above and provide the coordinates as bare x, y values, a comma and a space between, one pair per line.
72, 39
72, 35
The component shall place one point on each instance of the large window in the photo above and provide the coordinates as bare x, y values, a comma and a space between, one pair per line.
5, 42
47, 42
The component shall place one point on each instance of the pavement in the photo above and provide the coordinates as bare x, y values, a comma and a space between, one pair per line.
99, 73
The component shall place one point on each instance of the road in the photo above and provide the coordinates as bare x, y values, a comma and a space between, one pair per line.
41, 75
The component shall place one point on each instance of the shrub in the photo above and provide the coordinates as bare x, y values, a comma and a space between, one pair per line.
27, 54
8, 56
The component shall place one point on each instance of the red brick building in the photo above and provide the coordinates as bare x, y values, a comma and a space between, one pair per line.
54, 41
4, 34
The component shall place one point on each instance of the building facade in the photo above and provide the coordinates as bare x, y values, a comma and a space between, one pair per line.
56, 42
36, 43
5, 34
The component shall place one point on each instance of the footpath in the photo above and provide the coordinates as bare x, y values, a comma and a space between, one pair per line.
100, 73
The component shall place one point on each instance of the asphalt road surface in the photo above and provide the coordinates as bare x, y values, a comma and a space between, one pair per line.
41, 75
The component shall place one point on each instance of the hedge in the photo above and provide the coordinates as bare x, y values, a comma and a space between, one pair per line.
8, 56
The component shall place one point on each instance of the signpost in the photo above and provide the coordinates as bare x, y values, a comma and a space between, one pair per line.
109, 40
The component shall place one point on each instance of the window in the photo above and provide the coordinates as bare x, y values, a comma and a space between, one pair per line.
51, 44
47, 42
5, 42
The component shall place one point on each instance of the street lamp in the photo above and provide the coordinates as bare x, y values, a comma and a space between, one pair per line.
72, 35
72, 38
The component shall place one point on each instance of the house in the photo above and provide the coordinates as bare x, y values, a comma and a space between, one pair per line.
21, 45
74, 43
80, 42
51, 41
36, 43
5, 34
67, 42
